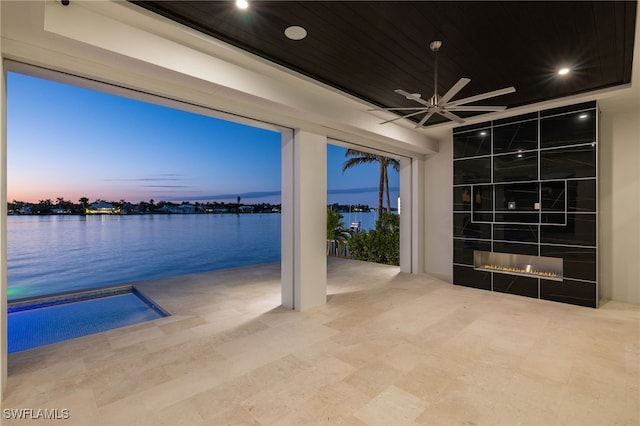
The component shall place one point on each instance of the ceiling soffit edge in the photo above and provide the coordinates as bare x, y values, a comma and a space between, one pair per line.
60, 22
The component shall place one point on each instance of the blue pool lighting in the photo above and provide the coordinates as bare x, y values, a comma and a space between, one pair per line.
46, 320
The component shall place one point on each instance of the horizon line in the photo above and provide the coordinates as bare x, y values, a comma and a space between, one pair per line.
218, 197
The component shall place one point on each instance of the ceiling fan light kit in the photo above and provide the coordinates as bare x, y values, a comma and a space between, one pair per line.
443, 105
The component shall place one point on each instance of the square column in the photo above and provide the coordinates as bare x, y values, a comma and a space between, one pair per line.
304, 217
3, 231
411, 215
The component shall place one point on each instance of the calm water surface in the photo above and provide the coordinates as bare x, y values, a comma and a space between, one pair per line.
51, 254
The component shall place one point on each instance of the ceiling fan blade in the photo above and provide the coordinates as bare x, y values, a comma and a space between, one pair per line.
474, 108
398, 109
454, 90
451, 116
413, 97
405, 116
483, 96
424, 119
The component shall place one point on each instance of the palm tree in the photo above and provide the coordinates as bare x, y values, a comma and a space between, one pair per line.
337, 235
359, 157
395, 163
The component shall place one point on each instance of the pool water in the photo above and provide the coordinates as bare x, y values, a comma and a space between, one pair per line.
44, 323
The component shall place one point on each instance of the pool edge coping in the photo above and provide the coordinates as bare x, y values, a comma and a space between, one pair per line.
35, 302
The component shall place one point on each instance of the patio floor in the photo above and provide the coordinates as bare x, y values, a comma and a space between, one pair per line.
388, 348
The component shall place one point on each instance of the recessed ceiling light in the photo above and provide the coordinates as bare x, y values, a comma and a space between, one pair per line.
242, 4
483, 133
583, 116
295, 32
563, 71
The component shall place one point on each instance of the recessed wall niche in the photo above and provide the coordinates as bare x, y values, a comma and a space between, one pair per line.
527, 186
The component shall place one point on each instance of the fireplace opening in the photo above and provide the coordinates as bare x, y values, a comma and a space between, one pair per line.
549, 268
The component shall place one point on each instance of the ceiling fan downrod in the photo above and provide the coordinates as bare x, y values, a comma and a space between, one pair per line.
435, 46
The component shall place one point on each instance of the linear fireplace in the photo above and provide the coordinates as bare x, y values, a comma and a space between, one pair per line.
549, 268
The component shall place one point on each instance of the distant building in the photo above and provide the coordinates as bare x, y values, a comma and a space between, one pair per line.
102, 207
187, 208
24, 210
59, 210
216, 210
179, 209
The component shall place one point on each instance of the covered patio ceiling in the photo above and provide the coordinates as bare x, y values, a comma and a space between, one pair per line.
368, 49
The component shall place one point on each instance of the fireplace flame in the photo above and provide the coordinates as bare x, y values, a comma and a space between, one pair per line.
526, 271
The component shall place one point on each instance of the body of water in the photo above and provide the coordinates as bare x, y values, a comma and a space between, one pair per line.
52, 254
367, 219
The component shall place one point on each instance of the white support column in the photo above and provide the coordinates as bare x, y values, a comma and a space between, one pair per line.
304, 205
406, 215
287, 228
418, 215
438, 219
3, 229
411, 215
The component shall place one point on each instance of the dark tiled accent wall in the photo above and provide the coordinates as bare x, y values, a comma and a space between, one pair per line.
568, 162
463, 250
518, 233
469, 277
515, 167
521, 136
522, 286
517, 248
528, 185
475, 170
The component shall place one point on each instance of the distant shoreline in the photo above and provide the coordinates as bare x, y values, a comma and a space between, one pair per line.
134, 214
122, 207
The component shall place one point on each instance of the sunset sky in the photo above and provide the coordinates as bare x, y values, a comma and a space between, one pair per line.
70, 142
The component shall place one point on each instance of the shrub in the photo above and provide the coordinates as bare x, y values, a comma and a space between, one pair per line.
380, 245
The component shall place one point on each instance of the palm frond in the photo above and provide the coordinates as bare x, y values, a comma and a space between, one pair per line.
357, 161
359, 158
394, 163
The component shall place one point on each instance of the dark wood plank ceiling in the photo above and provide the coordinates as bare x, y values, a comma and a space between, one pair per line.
370, 48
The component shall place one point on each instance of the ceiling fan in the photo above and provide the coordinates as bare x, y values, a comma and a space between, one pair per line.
443, 105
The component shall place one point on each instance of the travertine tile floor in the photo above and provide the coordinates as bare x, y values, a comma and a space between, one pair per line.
387, 349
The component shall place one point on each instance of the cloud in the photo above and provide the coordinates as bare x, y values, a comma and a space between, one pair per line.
159, 178
263, 194
230, 196
165, 186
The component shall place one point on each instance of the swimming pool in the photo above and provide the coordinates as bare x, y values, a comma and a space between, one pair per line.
42, 321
